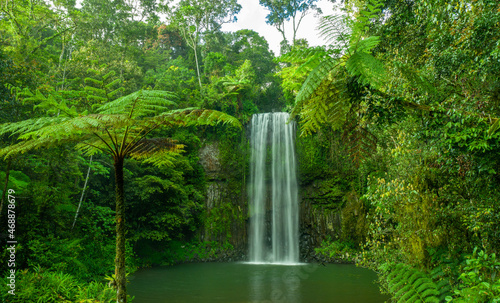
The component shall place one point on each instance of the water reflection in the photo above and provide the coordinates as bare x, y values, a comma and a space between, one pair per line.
240, 282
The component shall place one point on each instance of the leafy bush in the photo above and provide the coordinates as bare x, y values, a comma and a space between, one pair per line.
338, 250
173, 252
479, 279
39, 285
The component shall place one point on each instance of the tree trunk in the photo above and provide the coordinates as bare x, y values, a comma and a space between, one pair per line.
120, 274
197, 67
83, 193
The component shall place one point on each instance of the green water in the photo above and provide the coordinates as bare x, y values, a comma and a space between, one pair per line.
241, 282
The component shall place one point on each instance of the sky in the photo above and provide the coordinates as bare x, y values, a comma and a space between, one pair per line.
253, 16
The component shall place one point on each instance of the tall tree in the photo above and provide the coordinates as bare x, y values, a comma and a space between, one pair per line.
281, 11
120, 128
195, 17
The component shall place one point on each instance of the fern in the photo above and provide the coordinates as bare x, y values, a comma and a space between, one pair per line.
369, 69
328, 106
139, 104
336, 30
102, 91
360, 142
444, 284
315, 103
407, 284
317, 76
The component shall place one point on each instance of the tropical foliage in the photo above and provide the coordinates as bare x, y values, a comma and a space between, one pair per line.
112, 113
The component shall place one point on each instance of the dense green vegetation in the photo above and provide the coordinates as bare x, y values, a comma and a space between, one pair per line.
412, 88
106, 105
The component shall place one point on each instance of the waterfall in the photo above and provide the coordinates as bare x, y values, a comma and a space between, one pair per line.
273, 197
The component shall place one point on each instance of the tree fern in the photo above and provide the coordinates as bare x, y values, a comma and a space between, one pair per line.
326, 97
407, 284
119, 128
346, 36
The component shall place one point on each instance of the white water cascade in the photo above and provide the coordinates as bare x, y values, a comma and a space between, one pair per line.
273, 197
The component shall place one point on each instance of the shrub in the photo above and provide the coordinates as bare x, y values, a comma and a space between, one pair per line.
40, 285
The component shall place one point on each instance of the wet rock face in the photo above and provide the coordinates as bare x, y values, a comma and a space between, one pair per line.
320, 219
209, 159
225, 207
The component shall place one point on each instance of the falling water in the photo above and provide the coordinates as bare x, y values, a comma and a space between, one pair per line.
273, 166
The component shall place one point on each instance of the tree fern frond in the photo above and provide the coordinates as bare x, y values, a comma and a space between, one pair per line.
298, 54
29, 125
113, 93
109, 74
28, 145
140, 103
366, 45
195, 116
404, 291
151, 145
419, 281
60, 129
92, 146
432, 299
112, 83
414, 298
336, 29
369, 69
328, 105
413, 277
157, 158
430, 290
424, 286
314, 80
95, 90
97, 98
